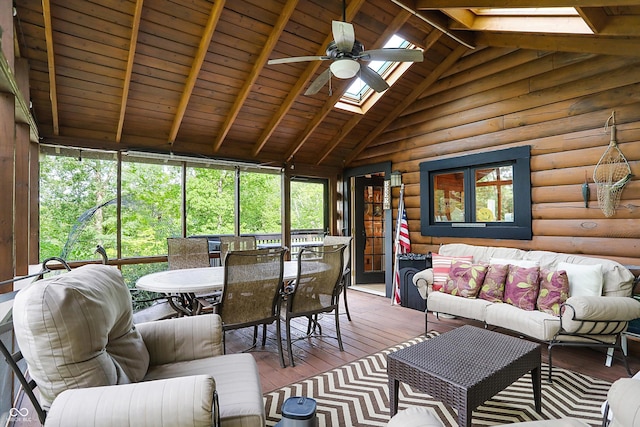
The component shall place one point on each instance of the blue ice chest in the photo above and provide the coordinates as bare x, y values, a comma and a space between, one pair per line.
298, 411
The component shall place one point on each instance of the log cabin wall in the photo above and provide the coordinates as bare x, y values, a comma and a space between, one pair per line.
555, 102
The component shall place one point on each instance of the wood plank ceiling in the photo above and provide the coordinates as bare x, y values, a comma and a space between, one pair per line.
192, 76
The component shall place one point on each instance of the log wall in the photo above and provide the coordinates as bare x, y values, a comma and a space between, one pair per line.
555, 102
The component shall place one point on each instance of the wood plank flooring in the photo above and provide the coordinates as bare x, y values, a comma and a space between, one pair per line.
376, 325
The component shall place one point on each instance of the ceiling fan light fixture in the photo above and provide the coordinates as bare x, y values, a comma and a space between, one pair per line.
345, 68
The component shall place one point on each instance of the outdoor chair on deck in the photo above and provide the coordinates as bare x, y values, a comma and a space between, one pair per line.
94, 367
190, 252
251, 293
317, 289
346, 271
236, 243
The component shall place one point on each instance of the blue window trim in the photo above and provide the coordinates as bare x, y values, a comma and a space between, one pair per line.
519, 229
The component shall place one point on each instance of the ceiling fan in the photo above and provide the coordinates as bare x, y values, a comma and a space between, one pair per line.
348, 58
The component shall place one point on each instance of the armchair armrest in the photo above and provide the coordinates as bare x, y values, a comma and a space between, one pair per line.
624, 403
182, 338
423, 280
598, 314
183, 401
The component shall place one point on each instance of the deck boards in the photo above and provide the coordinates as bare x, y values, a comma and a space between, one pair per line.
376, 325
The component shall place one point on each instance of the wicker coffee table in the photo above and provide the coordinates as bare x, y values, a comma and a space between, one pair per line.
464, 368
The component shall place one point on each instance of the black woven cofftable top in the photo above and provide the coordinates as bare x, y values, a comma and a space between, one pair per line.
464, 367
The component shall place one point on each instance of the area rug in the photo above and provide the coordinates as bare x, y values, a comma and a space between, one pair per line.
357, 394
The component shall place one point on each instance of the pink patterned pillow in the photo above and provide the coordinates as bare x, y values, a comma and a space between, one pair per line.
521, 288
465, 279
493, 286
440, 265
554, 290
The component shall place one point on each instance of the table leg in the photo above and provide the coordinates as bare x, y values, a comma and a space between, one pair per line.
465, 416
394, 387
537, 388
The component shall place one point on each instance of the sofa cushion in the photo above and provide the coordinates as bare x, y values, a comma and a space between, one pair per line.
554, 291
493, 285
76, 330
517, 262
584, 280
535, 324
441, 265
521, 288
471, 308
465, 279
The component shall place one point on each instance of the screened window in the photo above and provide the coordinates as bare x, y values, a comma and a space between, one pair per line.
480, 195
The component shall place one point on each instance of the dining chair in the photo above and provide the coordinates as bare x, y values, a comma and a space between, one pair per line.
251, 293
235, 243
190, 252
317, 289
346, 269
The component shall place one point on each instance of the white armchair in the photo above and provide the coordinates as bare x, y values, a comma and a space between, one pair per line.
93, 367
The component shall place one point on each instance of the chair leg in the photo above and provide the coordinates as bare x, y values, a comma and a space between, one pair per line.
279, 338
344, 294
255, 336
288, 331
264, 334
337, 316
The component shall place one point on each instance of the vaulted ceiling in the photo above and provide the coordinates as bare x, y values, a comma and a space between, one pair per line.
191, 77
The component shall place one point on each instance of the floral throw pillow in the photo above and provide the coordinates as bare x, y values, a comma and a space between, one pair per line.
465, 279
440, 265
493, 286
554, 290
522, 286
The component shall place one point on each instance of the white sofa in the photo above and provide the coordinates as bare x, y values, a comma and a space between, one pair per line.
596, 320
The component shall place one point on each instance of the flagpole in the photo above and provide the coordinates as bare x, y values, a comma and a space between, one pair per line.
396, 244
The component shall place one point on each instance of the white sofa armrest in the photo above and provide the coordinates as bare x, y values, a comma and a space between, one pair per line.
423, 280
183, 401
183, 338
598, 315
624, 403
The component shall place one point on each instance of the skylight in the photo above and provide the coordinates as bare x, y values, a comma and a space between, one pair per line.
359, 92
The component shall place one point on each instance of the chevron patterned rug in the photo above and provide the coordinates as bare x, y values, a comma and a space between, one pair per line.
357, 394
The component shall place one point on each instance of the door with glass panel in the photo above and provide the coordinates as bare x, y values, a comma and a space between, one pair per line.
369, 221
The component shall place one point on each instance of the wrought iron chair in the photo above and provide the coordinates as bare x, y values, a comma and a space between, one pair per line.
235, 243
317, 289
251, 294
343, 240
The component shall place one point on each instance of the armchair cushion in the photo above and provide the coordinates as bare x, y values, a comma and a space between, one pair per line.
185, 401
76, 330
624, 403
184, 338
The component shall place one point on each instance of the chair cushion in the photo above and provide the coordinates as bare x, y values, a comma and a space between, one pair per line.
236, 380
76, 330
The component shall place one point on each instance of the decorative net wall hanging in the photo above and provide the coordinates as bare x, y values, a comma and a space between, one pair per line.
611, 173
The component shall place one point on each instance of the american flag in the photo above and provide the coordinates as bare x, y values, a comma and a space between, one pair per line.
403, 246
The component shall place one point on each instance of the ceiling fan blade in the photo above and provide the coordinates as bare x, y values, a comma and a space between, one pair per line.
372, 78
297, 59
344, 35
393, 55
319, 82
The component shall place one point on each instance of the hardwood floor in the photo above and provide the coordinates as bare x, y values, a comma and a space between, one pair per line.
376, 325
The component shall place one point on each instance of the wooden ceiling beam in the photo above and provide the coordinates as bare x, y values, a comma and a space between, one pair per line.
399, 20
53, 94
595, 17
203, 47
464, 17
561, 43
432, 38
135, 30
426, 83
278, 28
352, 9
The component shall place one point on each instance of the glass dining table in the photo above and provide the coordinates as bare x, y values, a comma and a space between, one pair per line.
182, 286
